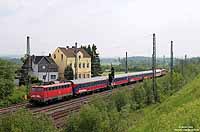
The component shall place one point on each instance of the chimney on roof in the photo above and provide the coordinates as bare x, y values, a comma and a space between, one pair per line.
49, 54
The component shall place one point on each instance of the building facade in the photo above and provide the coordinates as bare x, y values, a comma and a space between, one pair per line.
64, 57
42, 67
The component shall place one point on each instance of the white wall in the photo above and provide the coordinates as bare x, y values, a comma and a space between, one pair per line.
48, 76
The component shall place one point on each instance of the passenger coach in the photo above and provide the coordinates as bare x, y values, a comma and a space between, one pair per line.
89, 84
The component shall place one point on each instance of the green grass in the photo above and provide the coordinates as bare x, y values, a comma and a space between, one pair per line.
180, 110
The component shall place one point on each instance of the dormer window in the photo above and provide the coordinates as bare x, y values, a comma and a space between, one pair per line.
54, 56
79, 57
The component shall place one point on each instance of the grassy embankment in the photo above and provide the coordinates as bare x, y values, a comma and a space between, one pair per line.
181, 110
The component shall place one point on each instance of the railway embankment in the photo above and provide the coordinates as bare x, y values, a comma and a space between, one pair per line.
180, 112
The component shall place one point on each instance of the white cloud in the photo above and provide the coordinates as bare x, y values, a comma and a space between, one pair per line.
111, 24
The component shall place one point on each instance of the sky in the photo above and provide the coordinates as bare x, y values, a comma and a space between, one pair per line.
115, 26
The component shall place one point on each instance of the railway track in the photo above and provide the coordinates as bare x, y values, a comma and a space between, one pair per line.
60, 111
13, 108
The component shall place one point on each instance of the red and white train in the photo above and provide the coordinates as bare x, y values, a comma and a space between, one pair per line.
48, 93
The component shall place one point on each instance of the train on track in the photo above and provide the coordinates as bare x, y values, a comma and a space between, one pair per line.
60, 91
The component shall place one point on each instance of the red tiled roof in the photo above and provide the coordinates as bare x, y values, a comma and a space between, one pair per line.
70, 52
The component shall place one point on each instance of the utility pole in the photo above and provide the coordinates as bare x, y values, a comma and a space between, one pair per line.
182, 66
185, 59
164, 62
76, 63
154, 69
171, 64
126, 71
28, 56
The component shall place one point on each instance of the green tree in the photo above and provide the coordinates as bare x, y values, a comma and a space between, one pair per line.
7, 74
96, 65
68, 73
95, 60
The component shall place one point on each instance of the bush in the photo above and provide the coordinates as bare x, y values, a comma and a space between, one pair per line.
138, 97
120, 99
117, 112
16, 97
89, 120
7, 73
149, 97
24, 121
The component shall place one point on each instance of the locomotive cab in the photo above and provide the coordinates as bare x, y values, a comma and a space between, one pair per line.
37, 93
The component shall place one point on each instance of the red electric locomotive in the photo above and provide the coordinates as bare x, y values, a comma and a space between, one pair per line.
48, 93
